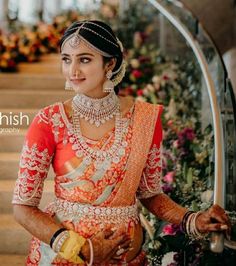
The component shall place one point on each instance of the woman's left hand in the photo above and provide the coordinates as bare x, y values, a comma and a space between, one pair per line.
214, 219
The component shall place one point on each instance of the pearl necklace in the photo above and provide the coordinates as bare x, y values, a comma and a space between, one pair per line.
102, 158
96, 111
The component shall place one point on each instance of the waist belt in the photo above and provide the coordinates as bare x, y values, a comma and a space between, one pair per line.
77, 211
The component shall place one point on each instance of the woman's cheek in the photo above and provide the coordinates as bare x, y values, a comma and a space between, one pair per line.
65, 71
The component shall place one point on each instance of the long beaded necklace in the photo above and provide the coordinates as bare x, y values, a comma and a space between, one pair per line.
96, 111
101, 158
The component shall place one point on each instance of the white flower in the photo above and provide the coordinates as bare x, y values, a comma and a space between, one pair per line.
145, 91
170, 74
168, 258
134, 63
141, 99
150, 88
156, 80
207, 196
171, 109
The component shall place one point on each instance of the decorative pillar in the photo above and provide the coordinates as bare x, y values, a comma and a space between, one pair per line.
3, 13
30, 11
51, 9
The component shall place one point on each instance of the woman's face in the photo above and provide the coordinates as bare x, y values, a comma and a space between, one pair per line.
84, 68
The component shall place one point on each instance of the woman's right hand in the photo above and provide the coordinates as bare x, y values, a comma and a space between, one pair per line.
105, 245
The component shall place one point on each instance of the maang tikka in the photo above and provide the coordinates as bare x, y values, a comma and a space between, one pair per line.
75, 40
108, 85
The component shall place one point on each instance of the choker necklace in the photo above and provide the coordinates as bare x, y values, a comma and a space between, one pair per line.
96, 111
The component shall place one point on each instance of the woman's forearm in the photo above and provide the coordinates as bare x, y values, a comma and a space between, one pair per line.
165, 208
38, 223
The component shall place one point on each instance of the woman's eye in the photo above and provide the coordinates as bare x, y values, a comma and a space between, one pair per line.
85, 60
66, 60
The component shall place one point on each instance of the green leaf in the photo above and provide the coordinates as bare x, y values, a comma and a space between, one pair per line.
190, 177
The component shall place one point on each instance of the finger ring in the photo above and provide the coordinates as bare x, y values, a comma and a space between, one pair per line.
120, 251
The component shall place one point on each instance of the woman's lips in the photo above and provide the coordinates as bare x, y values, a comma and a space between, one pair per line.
77, 81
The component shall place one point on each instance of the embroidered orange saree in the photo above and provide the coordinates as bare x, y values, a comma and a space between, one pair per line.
90, 197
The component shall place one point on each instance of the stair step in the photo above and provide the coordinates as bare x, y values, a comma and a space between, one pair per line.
44, 66
49, 65
14, 238
31, 98
12, 139
52, 57
6, 192
9, 165
36, 82
12, 260
19, 118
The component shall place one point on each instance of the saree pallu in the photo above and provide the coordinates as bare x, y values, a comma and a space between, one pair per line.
90, 199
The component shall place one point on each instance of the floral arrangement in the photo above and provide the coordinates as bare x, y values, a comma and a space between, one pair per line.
8, 53
27, 44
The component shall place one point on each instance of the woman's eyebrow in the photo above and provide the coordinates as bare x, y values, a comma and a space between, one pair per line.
81, 54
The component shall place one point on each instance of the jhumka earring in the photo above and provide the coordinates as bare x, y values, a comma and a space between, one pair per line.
108, 85
68, 86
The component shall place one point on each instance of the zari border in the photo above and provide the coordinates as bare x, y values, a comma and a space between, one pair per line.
145, 117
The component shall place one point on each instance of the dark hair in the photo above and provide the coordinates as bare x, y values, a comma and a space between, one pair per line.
100, 35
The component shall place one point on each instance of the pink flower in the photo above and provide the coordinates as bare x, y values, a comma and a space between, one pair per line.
171, 229
170, 123
168, 230
140, 92
186, 134
176, 144
137, 73
169, 177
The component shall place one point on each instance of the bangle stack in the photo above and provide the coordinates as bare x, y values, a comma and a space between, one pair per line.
58, 239
188, 225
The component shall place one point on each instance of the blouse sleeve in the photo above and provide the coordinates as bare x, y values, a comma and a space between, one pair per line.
35, 160
150, 183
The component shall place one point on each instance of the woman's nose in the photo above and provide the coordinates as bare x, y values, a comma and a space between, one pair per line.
74, 70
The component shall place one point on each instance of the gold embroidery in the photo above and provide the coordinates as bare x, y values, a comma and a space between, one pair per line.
143, 130
42, 117
33, 159
34, 165
150, 183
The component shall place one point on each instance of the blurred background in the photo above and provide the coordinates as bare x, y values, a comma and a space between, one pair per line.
181, 54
